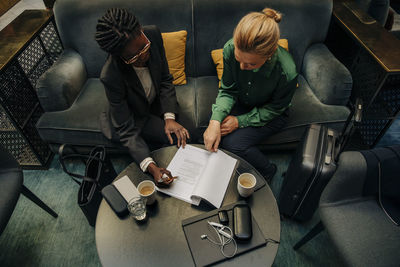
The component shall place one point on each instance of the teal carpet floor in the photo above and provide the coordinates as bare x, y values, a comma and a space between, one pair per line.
34, 238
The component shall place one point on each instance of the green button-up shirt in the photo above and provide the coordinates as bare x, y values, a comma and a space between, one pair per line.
267, 91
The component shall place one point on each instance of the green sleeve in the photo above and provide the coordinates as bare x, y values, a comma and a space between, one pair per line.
228, 92
281, 99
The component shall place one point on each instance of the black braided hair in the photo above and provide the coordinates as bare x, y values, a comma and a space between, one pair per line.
115, 28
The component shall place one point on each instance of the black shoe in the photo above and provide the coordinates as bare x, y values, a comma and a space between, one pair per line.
270, 173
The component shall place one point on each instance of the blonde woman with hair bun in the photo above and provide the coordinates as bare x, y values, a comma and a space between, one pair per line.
257, 86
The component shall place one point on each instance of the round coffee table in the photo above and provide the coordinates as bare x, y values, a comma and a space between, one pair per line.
161, 240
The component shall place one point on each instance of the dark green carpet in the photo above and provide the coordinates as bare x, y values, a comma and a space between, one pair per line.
34, 238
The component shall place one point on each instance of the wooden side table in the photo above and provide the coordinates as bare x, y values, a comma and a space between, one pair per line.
29, 45
372, 54
6, 5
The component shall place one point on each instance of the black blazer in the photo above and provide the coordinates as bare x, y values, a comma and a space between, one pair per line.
128, 106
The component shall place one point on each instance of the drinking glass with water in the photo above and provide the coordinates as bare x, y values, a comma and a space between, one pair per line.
137, 208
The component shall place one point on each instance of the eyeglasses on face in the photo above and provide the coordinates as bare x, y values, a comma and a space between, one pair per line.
135, 58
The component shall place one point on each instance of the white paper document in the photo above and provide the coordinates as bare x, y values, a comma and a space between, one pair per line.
201, 175
126, 188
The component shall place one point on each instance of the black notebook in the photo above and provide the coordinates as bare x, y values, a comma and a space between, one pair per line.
203, 251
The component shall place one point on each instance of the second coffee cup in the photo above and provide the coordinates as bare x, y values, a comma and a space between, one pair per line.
246, 184
147, 189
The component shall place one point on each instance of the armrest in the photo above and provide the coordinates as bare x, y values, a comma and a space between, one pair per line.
58, 87
329, 79
348, 181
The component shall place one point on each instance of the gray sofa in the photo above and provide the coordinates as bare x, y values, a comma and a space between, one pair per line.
72, 95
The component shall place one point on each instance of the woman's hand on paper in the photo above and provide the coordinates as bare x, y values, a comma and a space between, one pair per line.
171, 126
212, 136
158, 173
229, 124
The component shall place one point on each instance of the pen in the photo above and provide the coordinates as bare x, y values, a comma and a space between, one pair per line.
163, 179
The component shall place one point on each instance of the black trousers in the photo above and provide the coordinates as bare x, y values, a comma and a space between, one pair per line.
152, 132
243, 141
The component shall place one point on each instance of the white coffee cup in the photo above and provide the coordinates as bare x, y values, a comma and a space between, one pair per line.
246, 184
147, 189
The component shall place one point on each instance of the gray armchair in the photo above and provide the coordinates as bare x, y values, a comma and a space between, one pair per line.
357, 225
73, 97
11, 186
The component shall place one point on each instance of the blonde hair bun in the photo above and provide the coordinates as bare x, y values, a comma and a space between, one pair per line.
258, 32
273, 14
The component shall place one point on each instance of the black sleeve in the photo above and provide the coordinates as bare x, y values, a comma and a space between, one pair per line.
122, 120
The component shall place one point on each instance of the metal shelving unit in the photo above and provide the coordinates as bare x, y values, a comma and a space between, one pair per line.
29, 46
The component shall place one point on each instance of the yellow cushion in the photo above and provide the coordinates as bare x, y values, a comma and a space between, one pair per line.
284, 43
175, 46
217, 56
219, 62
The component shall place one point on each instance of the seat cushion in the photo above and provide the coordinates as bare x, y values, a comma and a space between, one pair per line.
185, 94
362, 233
307, 109
206, 93
79, 124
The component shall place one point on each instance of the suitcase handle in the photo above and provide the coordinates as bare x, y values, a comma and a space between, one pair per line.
354, 119
330, 153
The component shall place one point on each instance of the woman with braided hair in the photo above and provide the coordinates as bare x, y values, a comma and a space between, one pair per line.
257, 85
138, 85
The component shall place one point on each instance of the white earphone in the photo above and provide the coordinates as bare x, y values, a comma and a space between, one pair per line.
225, 237
215, 224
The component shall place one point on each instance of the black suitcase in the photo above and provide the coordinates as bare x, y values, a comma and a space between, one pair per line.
312, 166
